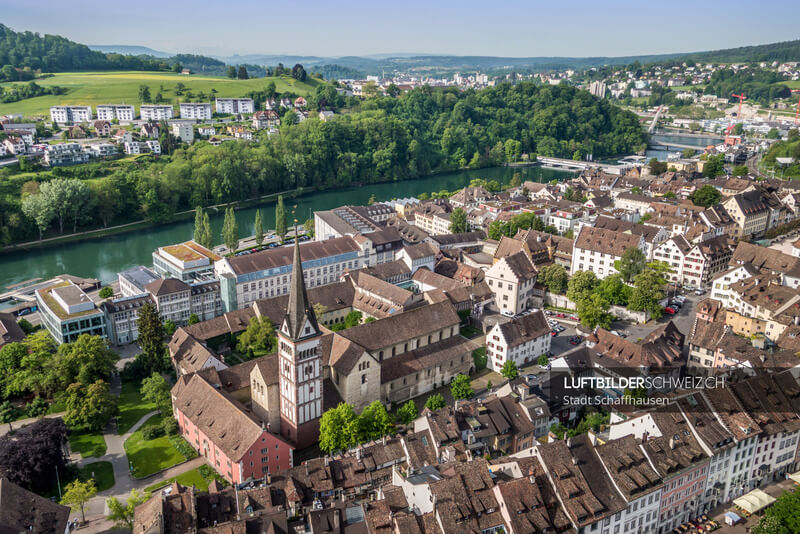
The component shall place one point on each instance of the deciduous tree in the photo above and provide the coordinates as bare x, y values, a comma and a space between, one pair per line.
155, 389
706, 196
122, 513
510, 370
458, 221
337, 429
88, 408
77, 493
460, 387
435, 401
280, 219
554, 277
407, 412
632, 262
230, 231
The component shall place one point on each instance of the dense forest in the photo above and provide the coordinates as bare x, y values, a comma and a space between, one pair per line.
784, 51
760, 86
421, 132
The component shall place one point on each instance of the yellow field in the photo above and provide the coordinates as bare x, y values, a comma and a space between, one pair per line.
93, 88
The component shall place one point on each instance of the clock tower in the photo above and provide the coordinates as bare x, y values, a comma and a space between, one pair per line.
300, 364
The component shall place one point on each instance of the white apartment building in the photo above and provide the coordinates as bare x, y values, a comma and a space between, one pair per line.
102, 150
596, 250
120, 112
721, 286
156, 112
153, 146
244, 279
433, 222
673, 252
70, 114
234, 105
65, 154
511, 280
183, 131
521, 340
195, 110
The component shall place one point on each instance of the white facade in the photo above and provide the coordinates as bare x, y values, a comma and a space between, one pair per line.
499, 349
70, 114
720, 288
511, 293
65, 154
195, 110
120, 112
183, 131
156, 112
154, 146
234, 105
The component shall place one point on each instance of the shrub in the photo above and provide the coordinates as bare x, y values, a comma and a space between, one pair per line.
152, 432
480, 359
37, 408
170, 426
184, 448
106, 292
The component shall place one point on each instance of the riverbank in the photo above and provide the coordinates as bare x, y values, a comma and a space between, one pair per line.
102, 255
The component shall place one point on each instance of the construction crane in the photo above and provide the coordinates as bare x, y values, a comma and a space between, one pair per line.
797, 113
741, 98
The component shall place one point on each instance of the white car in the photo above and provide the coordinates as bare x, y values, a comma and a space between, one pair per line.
507, 313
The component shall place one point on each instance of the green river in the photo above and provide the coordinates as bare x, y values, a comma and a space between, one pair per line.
103, 257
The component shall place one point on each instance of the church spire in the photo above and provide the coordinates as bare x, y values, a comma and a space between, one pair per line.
299, 311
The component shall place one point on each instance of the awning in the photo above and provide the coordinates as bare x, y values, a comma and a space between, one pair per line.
795, 477
755, 501
731, 518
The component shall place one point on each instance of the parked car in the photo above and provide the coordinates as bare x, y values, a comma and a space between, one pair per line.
574, 318
679, 298
699, 292
670, 311
675, 303
507, 313
560, 315
548, 312
553, 333
575, 340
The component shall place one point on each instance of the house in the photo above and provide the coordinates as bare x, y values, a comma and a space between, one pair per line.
263, 120
77, 132
469, 196
24, 511
751, 213
512, 281
183, 131
14, 145
232, 439
653, 236
300, 102
149, 131
123, 136
596, 250
102, 128
705, 261
326, 115
521, 340
65, 154
206, 131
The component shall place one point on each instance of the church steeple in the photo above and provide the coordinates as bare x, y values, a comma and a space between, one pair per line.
299, 312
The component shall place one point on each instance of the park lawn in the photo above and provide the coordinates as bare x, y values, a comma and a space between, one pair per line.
87, 444
151, 456
122, 87
193, 477
103, 474
132, 406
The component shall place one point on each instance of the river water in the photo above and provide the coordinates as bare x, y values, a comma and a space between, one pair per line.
103, 257
661, 154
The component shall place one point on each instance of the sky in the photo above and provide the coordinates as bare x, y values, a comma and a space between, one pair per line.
516, 28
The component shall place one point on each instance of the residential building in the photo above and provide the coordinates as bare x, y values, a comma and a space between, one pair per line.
102, 128
24, 511
521, 340
653, 236
512, 281
750, 211
705, 261
183, 131
596, 250
70, 114
195, 110
156, 112
149, 131
65, 154
418, 256
434, 219
101, 150
119, 112
185, 261
67, 312
232, 439
499, 423
14, 145
673, 252
153, 146
264, 120
122, 316
177, 301
265, 274
234, 105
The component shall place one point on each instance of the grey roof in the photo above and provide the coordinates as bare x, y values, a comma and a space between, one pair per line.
299, 309
139, 276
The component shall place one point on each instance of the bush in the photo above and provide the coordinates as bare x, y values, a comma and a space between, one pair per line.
170, 426
8, 412
182, 446
106, 292
26, 326
152, 432
37, 408
480, 359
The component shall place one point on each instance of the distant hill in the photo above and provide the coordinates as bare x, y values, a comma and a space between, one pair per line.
129, 50
784, 51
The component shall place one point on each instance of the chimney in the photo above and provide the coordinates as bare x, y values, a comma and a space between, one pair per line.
574, 460
569, 443
269, 478
672, 443
532, 479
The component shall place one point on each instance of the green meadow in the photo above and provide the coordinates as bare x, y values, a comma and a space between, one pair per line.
93, 88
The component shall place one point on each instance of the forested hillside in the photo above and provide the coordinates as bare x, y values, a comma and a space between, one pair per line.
421, 132
784, 51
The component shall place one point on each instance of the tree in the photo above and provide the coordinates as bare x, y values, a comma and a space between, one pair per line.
32, 454
632, 262
89, 408
259, 336
77, 493
374, 422
554, 277
157, 391
592, 311
170, 327
371, 200
435, 401
337, 428
460, 387
773, 133
688, 153
86, 360
581, 286
614, 290
38, 209
68, 198
258, 228
122, 514
308, 226
280, 219
714, 166
509, 370
740, 170
648, 291
320, 310
299, 73
208, 237
199, 229
458, 221
543, 360
144, 94
706, 196
657, 167
407, 412
106, 292
151, 339
37, 407
8, 412
242, 73
193, 319
231, 72
230, 231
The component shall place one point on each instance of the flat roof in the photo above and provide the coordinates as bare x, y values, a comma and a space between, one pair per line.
190, 251
65, 294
